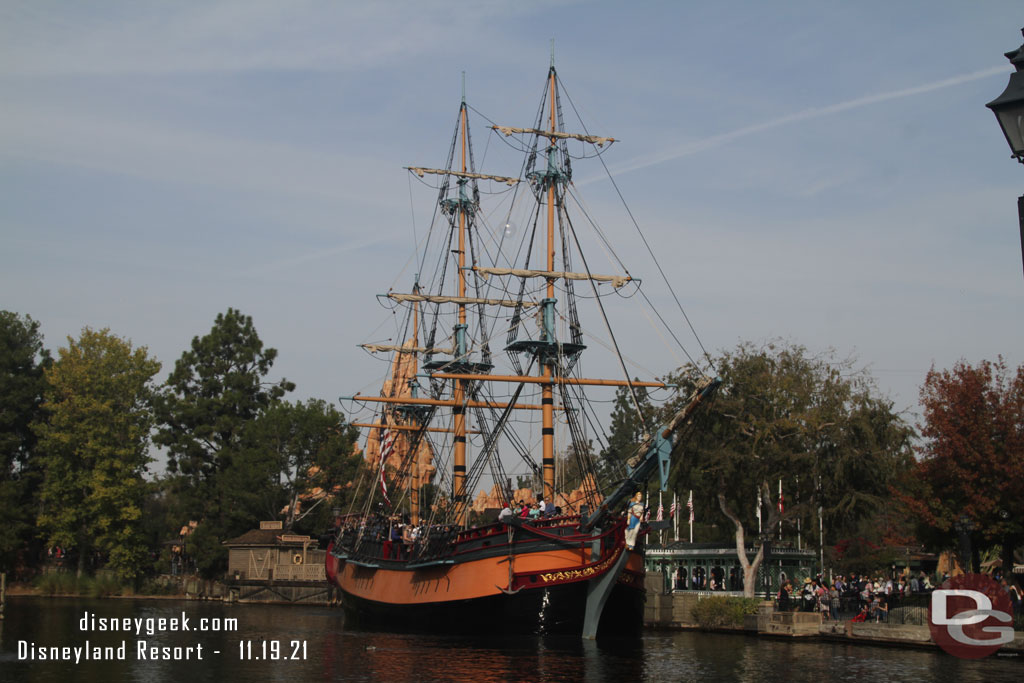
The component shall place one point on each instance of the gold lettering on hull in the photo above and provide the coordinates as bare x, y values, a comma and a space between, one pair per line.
587, 572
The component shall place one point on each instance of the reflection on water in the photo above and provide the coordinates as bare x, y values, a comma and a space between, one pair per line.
332, 653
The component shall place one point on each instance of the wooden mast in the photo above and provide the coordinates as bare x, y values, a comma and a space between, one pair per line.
459, 395
547, 390
415, 483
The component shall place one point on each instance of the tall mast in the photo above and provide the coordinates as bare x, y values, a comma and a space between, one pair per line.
414, 481
459, 395
547, 391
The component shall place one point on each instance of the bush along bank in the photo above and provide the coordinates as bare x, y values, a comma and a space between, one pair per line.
723, 611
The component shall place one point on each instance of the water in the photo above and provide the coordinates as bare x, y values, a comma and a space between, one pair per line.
333, 653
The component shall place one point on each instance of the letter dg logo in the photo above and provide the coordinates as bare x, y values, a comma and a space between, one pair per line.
970, 616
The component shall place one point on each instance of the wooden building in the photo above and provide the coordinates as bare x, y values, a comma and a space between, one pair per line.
270, 554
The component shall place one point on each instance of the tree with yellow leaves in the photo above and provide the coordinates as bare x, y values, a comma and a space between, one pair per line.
94, 442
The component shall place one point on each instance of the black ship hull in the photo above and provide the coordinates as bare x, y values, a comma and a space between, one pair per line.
556, 610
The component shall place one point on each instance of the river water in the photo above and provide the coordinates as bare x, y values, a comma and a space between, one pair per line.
311, 643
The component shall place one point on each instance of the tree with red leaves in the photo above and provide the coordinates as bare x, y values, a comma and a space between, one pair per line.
972, 459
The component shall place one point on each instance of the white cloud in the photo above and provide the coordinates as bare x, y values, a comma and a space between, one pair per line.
146, 148
714, 141
239, 35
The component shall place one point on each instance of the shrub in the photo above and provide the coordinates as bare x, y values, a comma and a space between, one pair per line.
158, 587
66, 583
57, 583
723, 611
102, 586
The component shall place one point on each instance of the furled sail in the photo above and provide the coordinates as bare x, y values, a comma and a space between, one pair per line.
593, 139
376, 348
616, 280
441, 299
420, 171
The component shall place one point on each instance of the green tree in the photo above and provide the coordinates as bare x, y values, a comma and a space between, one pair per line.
313, 449
573, 466
23, 361
628, 430
94, 442
971, 461
813, 422
225, 479
157, 517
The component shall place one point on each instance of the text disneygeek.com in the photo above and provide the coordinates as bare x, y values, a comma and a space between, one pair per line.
148, 650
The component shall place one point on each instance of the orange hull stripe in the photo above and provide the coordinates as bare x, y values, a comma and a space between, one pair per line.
463, 581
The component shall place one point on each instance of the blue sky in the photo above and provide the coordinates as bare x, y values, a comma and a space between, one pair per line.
824, 172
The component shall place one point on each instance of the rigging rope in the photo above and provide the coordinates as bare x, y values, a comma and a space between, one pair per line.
650, 251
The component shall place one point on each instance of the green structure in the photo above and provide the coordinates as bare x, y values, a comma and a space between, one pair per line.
716, 566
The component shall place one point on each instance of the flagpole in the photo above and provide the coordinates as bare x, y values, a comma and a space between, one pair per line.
821, 541
780, 508
798, 526
689, 504
821, 529
661, 514
675, 516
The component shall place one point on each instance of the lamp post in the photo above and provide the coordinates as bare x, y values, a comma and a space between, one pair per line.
1009, 111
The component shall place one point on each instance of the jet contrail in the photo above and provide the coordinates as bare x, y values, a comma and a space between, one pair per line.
810, 113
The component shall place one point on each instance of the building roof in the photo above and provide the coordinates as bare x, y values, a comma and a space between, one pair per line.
266, 537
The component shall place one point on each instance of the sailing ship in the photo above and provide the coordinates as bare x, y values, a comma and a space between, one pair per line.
569, 572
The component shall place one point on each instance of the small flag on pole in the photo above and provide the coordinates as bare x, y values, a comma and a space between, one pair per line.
782, 507
758, 511
661, 508
672, 510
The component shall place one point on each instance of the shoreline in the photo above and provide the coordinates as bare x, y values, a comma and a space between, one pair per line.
897, 636
673, 612
207, 591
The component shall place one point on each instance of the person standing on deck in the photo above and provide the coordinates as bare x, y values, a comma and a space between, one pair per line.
506, 513
549, 507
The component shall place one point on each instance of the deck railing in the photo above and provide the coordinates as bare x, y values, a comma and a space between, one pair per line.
300, 572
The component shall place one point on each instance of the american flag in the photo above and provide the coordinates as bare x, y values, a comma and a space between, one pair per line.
781, 498
387, 447
672, 510
689, 504
387, 444
661, 508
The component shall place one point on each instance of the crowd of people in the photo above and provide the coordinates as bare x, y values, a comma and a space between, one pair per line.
529, 511
391, 536
869, 599
395, 536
